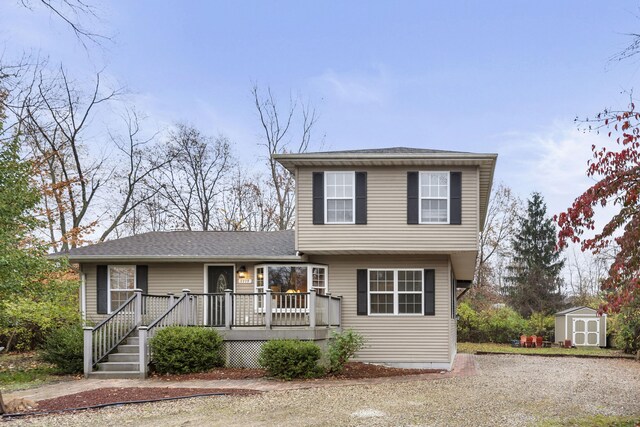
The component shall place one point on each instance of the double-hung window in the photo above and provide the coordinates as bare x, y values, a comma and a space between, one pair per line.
122, 282
395, 291
434, 197
340, 197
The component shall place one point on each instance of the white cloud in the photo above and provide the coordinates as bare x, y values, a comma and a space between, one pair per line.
371, 88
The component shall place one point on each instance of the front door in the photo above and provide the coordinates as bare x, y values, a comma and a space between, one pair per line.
220, 278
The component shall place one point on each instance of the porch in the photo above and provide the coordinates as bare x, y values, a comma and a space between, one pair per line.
119, 346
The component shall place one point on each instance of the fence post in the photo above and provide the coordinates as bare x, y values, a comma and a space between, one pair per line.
267, 309
328, 310
143, 352
88, 350
138, 306
170, 303
185, 308
312, 308
228, 308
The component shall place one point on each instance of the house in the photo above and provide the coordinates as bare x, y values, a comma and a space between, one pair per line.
383, 239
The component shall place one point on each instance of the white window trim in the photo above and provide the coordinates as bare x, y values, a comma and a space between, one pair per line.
447, 198
396, 300
353, 198
135, 283
265, 283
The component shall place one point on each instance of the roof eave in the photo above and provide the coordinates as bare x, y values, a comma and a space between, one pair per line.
180, 258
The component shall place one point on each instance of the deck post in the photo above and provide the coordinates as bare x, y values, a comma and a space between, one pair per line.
142, 349
228, 308
329, 311
137, 311
88, 350
340, 312
170, 303
267, 309
185, 308
312, 308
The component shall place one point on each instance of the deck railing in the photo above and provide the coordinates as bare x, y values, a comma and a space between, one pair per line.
150, 313
104, 338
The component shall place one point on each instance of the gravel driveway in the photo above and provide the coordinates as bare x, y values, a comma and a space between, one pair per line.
509, 390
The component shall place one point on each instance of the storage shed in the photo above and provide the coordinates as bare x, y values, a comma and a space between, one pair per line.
582, 326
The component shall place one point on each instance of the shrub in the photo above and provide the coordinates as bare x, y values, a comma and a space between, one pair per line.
627, 330
63, 347
468, 324
541, 325
184, 350
288, 359
343, 347
501, 325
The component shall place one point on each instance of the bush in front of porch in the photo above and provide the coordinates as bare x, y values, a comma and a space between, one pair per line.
185, 350
289, 359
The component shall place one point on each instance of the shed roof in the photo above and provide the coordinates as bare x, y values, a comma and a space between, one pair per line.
185, 245
572, 309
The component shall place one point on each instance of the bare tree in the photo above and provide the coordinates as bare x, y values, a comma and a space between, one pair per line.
192, 183
585, 271
278, 137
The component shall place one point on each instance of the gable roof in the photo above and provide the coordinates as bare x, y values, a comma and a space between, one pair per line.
401, 156
193, 245
572, 309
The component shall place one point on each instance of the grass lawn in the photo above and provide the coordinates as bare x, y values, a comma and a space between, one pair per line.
24, 370
467, 347
595, 421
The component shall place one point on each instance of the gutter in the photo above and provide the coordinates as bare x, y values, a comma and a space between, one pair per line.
181, 258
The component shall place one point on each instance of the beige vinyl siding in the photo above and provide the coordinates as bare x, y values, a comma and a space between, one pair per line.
394, 339
163, 278
387, 230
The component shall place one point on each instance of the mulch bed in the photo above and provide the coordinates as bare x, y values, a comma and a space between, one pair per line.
110, 395
352, 371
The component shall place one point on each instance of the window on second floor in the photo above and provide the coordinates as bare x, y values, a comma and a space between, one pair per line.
339, 197
434, 197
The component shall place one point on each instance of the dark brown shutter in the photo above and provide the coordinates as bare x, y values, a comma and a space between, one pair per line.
429, 292
142, 278
413, 192
318, 197
361, 197
362, 292
102, 288
455, 198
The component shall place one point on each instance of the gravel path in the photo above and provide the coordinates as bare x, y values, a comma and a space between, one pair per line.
509, 390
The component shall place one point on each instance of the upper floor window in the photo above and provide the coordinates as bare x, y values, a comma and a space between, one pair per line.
434, 197
339, 197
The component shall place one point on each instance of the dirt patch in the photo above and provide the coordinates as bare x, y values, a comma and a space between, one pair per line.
109, 395
215, 374
359, 370
352, 371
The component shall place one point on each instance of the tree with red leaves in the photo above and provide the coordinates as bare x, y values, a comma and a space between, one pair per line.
618, 183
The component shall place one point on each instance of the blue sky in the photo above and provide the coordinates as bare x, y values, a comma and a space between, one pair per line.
506, 77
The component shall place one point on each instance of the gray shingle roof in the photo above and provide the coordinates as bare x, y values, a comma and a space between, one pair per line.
389, 150
194, 244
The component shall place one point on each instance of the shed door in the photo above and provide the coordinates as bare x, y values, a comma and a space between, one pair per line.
586, 331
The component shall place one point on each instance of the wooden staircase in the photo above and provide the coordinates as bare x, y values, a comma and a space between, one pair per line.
124, 362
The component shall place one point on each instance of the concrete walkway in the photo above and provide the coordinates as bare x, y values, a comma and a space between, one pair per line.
464, 365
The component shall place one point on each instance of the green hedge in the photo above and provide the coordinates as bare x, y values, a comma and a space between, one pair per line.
500, 325
185, 350
63, 347
289, 359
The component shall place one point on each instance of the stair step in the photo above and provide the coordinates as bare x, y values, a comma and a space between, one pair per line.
112, 375
128, 348
119, 366
124, 357
133, 341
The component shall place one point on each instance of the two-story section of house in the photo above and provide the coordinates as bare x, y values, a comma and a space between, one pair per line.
383, 239
398, 229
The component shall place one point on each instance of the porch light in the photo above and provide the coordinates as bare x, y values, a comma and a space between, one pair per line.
242, 272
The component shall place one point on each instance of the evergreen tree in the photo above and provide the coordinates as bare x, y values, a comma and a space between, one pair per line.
533, 279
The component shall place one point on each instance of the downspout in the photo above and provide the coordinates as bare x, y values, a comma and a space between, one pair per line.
83, 291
